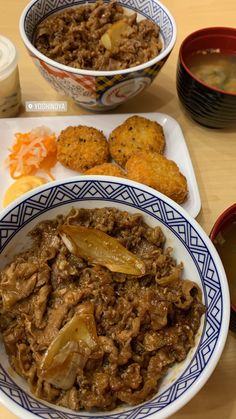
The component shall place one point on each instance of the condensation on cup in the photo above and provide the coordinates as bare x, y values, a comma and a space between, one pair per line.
10, 93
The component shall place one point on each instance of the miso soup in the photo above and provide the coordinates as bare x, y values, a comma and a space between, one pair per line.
215, 69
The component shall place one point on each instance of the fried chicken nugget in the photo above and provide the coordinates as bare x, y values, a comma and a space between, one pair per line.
108, 169
82, 147
135, 134
157, 171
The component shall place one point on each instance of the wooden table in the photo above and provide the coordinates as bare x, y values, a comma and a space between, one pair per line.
213, 154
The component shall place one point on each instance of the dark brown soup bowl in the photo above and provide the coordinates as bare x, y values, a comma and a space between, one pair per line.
224, 238
207, 105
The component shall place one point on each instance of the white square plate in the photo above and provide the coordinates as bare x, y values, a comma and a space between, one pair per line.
176, 148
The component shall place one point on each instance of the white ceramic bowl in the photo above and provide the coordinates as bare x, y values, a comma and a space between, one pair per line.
98, 90
191, 245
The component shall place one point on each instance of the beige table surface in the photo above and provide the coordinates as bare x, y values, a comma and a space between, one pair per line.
213, 154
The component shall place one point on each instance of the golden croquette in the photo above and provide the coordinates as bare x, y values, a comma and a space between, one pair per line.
108, 169
157, 171
82, 147
135, 134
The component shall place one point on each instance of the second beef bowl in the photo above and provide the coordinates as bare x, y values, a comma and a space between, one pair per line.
99, 54
116, 304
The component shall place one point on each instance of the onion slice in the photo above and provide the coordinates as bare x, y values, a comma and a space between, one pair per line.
101, 249
114, 33
70, 349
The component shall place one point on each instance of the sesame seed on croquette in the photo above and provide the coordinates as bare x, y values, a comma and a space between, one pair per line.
80, 147
135, 134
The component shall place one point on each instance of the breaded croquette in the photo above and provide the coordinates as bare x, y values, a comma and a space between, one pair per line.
82, 147
108, 169
133, 135
157, 171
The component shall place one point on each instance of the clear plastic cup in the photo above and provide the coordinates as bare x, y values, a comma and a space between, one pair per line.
10, 93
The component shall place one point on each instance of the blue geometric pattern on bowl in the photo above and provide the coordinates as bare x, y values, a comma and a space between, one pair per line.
118, 193
148, 9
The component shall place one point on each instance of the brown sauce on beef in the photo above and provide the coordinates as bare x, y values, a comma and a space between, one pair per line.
73, 38
144, 324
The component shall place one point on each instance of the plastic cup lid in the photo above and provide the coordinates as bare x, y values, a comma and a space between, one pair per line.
8, 57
